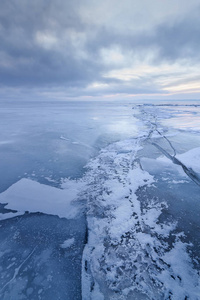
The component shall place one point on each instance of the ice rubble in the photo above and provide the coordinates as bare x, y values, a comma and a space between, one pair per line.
134, 251
130, 253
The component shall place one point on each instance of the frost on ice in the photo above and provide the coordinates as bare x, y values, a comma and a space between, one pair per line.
133, 251
136, 248
68, 243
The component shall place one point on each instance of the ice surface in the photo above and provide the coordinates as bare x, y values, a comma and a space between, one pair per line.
33, 263
126, 226
54, 140
31, 196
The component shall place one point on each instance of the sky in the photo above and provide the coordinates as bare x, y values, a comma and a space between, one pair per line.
100, 50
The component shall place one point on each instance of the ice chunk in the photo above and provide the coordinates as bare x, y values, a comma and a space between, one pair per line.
191, 159
31, 196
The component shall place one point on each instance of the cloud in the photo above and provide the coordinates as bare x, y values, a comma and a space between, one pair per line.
40, 45
84, 47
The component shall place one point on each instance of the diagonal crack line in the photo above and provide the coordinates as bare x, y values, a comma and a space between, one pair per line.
17, 270
174, 150
189, 171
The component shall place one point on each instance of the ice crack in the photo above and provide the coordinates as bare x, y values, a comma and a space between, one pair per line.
188, 171
17, 270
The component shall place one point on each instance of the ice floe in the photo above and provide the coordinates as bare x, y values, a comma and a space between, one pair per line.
28, 195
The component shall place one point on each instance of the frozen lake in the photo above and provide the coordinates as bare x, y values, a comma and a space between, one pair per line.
99, 200
72, 132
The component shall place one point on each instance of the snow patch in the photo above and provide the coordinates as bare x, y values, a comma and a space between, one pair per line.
68, 243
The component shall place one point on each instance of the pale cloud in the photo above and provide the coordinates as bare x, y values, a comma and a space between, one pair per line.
174, 78
46, 40
132, 16
100, 49
113, 56
188, 87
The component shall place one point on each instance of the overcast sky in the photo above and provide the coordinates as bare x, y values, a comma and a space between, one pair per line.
108, 49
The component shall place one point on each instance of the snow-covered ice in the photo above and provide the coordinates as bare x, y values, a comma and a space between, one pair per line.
132, 249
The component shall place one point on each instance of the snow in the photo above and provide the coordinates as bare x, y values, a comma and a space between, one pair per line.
186, 277
28, 195
68, 243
